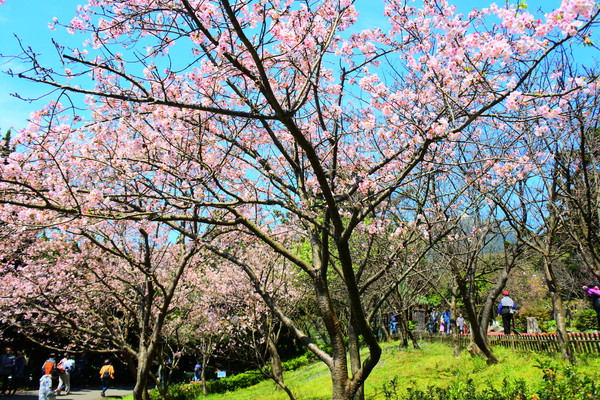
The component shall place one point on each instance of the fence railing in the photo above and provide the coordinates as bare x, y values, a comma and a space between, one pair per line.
580, 342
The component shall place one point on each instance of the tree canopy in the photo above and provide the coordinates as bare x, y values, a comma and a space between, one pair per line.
238, 125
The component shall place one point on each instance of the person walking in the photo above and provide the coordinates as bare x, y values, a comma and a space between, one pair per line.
107, 374
433, 320
18, 373
65, 366
198, 371
49, 364
447, 326
460, 324
393, 323
7, 363
506, 309
593, 292
46, 392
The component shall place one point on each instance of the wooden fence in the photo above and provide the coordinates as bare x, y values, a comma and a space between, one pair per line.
581, 342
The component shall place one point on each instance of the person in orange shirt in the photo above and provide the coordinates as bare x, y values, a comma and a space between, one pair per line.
49, 364
107, 374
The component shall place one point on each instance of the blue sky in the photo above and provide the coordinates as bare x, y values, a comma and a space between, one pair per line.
28, 19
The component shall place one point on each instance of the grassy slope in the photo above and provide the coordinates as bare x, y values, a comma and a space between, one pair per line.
432, 365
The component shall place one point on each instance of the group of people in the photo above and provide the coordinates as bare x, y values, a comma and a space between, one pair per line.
56, 377
12, 371
507, 307
444, 323
60, 371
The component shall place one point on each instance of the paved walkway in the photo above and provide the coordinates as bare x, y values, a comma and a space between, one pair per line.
83, 394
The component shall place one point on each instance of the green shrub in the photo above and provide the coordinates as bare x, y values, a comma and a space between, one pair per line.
390, 390
558, 383
466, 390
564, 383
230, 383
234, 382
585, 320
187, 391
180, 391
551, 326
300, 361
542, 314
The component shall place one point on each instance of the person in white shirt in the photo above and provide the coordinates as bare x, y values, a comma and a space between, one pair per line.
506, 309
65, 366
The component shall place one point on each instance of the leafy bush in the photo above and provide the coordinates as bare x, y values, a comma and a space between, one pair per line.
466, 390
298, 362
541, 313
230, 383
180, 391
235, 382
566, 384
390, 390
192, 390
550, 326
585, 320
558, 383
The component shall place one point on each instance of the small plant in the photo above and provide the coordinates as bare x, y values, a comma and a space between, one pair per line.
565, 383
298, 362
466, 390
551, 326
479, 364
585, 320
390, 389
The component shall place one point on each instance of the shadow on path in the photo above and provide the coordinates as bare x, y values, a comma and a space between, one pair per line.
83, 394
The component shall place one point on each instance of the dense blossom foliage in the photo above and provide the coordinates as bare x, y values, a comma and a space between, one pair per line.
228, 122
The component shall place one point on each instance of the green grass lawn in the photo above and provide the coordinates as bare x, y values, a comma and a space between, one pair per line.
434, 365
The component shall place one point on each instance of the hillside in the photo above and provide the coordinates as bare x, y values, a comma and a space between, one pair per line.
432, 365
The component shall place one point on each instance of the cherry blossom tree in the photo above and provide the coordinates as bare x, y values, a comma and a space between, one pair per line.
229, 307
578, 178
538, 209
102, 287
276, 120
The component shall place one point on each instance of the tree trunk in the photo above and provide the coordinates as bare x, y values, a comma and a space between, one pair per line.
275, 360
455, 344
414, 340
337, 363
203, 375
561, 327
402, 327
354, 350
478, 327
385, 333
142, 374
407, 333
276, 366
140, 390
